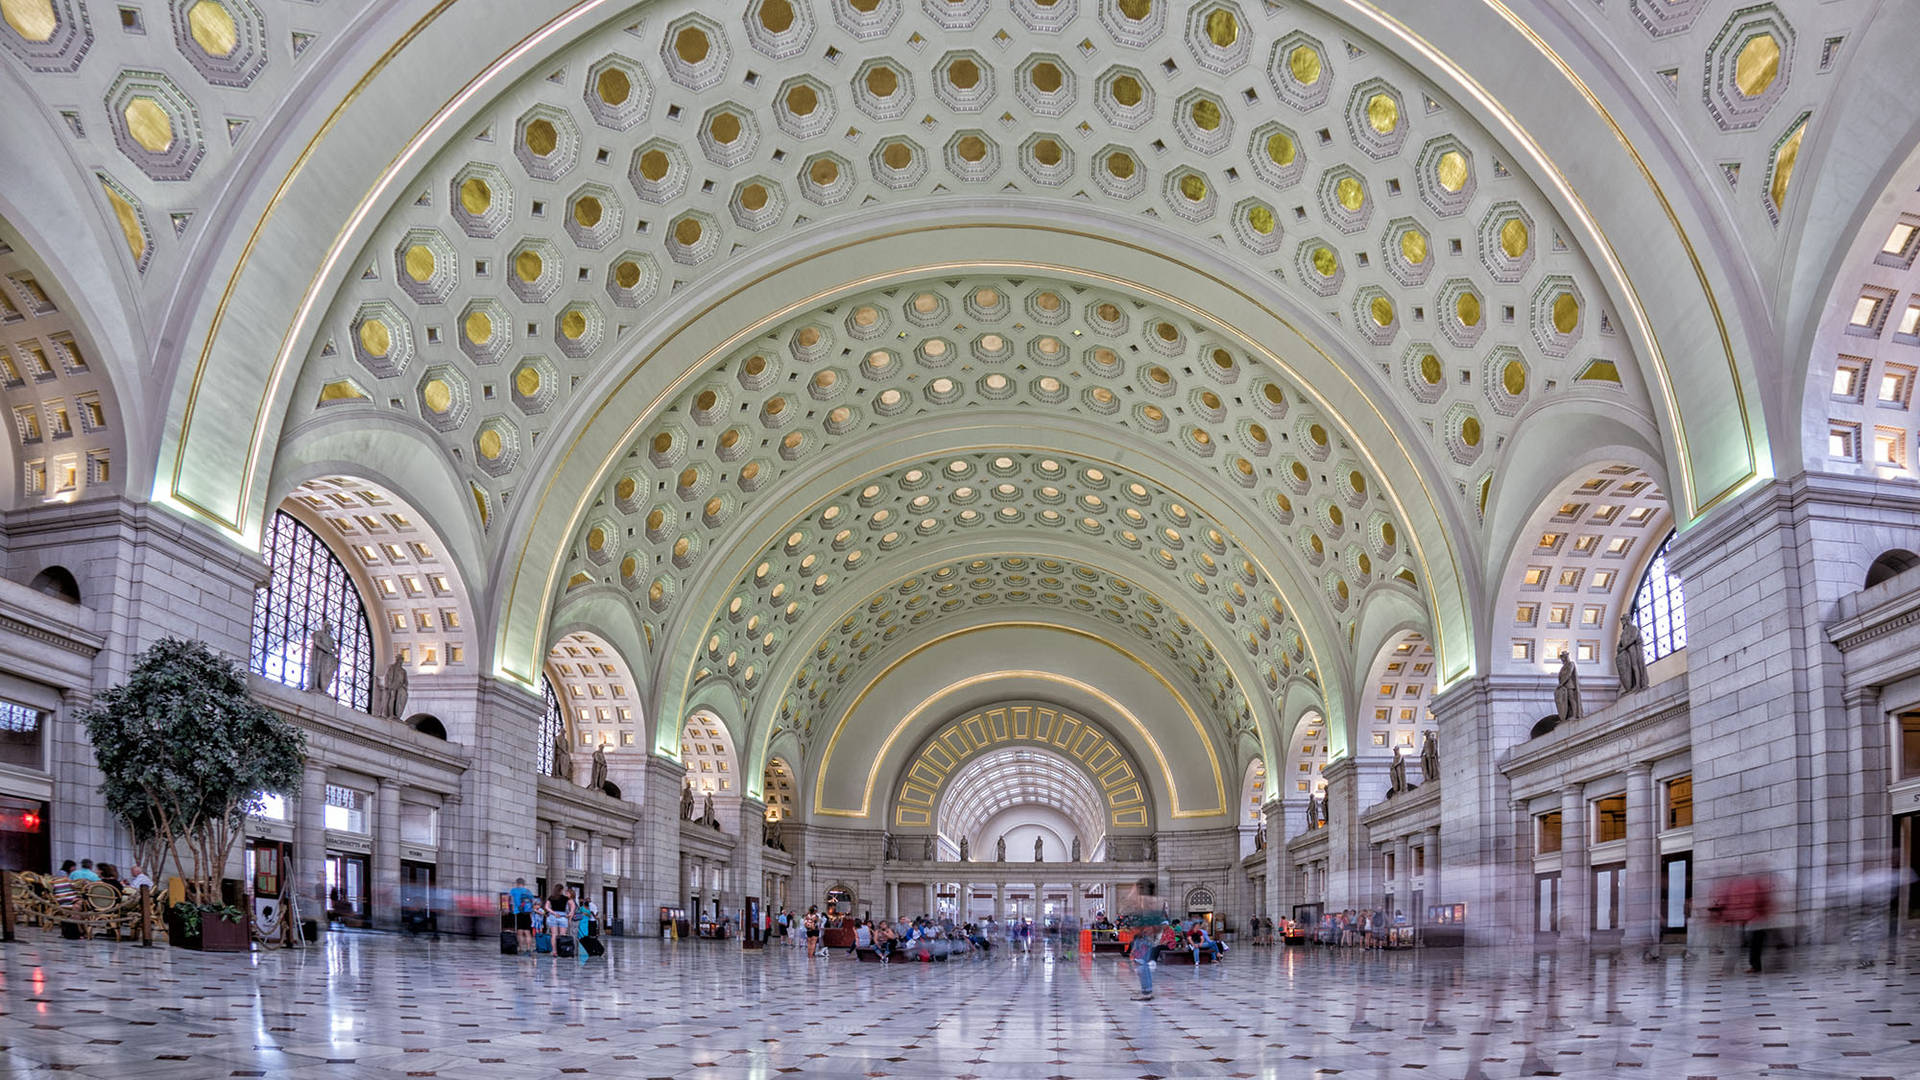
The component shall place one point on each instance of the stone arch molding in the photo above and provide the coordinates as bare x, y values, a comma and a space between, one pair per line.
1082, 743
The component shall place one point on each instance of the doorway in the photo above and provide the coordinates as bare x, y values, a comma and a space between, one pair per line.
1546, 905
347, 889
417, 910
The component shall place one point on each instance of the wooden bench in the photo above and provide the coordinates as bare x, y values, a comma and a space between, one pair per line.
1184, 956
868, 955
96, 907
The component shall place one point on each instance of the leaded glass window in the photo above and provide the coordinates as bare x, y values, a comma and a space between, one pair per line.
306, 584
1659, 609
20, 728
553, 725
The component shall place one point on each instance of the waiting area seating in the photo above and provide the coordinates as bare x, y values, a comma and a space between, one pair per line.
93, 907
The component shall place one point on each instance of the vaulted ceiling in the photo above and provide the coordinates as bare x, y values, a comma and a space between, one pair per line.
754, 341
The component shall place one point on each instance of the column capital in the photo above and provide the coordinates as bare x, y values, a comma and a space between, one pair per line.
1861, 697
1642, 770
1575, 791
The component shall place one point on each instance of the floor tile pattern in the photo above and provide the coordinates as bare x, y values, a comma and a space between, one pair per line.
379, 1006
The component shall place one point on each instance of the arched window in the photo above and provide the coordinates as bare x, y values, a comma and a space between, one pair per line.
1659, 609
307, 584
553, 724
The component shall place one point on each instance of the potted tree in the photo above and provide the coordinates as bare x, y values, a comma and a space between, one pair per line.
186, 751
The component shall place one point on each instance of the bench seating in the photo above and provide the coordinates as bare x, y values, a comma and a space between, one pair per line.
96, 907
1183, 956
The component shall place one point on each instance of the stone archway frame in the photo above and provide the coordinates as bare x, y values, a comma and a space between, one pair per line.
1080, 742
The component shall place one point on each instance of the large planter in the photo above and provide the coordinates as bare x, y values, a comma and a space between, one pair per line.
216, 934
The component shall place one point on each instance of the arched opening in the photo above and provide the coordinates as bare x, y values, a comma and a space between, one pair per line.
1394, 714
1891, 564
428, 724
554, 729
1570, 579
57, 582
598, 691
1306, 760
781, 790
1022, 795
1253, 795
308, 590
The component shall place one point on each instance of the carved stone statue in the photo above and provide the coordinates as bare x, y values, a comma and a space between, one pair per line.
707, 816
889, 847
1630, 658
1153, 847
393, 702
1000, 850
323, 659
1430, 756
1039, 852
686, 802
1566, 696
1076, 849
966, 853
1314, 814
1397, 776
599, 774
926, 849
1260, 837
562, 756
773, 837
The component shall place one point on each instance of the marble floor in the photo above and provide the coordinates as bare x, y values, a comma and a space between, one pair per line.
377, 1006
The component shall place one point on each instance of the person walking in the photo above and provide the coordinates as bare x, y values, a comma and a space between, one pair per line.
520, 901
1141, 950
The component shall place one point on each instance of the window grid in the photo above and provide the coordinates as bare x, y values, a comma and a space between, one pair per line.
18, 719
1659, 608
553, 724
306, 583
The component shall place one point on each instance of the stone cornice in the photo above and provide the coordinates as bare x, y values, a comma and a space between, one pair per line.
1417, 802
1625, 733
1310, 844
1776, 505
1897, 612
586, 808
118, 512
71, 640
322, 714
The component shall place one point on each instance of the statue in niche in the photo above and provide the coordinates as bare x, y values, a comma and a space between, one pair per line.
773, 837
1397, 776
1152, 845
599, 774
1566, 695
323, 658
1630, 657
1429, 755
889, 847
1315, 818
1076, 848
393, 698
966, 852
562, 757
707, 816
1000, 850
686, 802
926, 849
1260, 837
1039, 852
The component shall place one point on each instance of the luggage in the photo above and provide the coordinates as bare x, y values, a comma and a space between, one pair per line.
563, 946
543, 942
509, 943
593, 945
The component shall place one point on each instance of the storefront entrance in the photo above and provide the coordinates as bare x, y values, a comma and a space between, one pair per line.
417, 911
1546, 904
347, 889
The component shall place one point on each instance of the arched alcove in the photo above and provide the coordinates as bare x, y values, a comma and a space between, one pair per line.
1891, 564
57, 582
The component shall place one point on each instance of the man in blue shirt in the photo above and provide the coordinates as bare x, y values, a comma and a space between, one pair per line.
85, 873
520, 900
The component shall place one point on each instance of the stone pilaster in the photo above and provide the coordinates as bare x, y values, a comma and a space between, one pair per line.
748, 856
309, 811
656, 840
1576, 884
386, 854
499, 790
1643, 860
1279, 875
1478, 721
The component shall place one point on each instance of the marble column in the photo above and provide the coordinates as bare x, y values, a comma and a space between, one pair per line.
309, 843
1643, 858
1275, 901
384, 898
590, 872
1434, 894
893, 901
1000, 902
556, 856
660, 875
1403, 878
1522, 912
1576, 885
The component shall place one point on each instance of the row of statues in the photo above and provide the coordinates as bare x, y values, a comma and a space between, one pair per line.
707, 816
1629, 666
891, 849
1429, 766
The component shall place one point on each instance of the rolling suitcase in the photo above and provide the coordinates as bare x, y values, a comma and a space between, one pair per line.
509, 944
543, 942
563, 946
593, 946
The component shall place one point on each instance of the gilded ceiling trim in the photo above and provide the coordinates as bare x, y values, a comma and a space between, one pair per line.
1454, 666
1159, 755
1082, 743
337, 251
1695, 505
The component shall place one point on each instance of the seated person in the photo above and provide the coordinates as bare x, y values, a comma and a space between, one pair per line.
862, 937
1199, 941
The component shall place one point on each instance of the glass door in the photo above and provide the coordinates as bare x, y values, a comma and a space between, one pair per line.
1546, 904
1676, 892
347, 889
416, 895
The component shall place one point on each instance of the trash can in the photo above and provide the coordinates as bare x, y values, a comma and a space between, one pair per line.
616, 927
